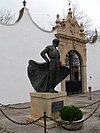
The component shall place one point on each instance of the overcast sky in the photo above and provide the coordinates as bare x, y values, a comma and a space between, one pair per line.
44, 12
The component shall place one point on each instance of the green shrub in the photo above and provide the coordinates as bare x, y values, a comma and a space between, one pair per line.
71, 113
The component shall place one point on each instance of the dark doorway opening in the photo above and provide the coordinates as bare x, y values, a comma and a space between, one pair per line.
74, 80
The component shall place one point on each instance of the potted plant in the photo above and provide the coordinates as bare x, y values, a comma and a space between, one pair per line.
71, 117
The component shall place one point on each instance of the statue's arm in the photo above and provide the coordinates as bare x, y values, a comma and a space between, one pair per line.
43, 54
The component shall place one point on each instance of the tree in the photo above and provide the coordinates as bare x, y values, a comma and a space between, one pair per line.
6, 16
83, 18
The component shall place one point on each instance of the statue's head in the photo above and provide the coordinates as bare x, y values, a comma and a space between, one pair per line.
55, 42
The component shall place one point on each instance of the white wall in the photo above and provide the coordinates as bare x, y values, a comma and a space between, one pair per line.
18, 44
93, 65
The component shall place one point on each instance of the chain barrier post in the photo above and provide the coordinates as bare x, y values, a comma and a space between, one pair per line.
89, 89
45, 121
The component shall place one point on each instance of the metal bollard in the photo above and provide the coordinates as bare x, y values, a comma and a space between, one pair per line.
45, 121
89, 89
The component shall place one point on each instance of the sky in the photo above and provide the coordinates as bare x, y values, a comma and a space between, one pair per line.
43, 12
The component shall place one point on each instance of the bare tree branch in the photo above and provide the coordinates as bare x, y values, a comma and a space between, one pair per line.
6, 16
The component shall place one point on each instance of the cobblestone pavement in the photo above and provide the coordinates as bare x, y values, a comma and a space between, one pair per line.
92, 125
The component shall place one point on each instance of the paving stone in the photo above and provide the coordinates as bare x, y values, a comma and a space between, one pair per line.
92, 125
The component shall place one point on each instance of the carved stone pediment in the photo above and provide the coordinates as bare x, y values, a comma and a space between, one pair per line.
70, 26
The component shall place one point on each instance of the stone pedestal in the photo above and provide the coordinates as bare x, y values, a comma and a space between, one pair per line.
50, 102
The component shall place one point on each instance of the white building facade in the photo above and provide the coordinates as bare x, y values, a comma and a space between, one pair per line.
23, 41
20, 42
93, 65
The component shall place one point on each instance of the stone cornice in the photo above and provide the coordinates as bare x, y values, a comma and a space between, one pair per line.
72, 38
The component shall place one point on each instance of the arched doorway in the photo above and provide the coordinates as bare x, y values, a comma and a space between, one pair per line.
74, 80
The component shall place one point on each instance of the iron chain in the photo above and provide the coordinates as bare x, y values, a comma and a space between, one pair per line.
20, 123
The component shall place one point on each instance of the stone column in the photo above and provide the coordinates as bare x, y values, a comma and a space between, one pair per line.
84, 79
